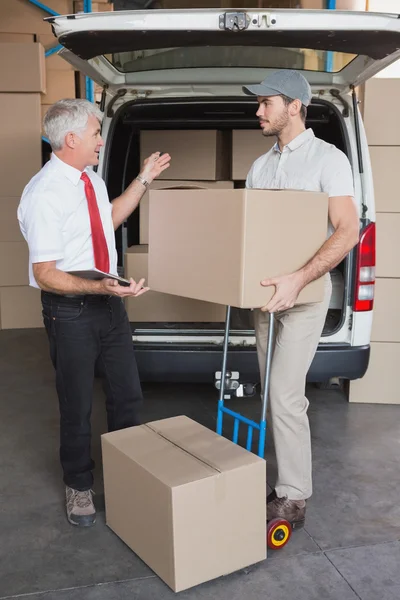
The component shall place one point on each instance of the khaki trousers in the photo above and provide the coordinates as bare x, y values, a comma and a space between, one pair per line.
297, 334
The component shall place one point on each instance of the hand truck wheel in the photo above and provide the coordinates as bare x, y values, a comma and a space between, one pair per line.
279, 532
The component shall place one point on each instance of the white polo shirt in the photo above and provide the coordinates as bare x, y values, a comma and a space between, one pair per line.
54, 218
306, 163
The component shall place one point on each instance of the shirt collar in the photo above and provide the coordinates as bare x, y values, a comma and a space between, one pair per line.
74, 175
298, 141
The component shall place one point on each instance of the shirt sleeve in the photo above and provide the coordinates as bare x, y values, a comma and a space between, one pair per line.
41, 222
337, 175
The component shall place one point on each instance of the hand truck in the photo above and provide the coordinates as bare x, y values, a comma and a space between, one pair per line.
278, 530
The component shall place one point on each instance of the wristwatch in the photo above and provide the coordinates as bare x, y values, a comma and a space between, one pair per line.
143, 181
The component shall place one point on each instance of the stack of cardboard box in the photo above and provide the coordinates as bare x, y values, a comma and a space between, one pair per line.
202, 159
22, 81
23, 22
380, 384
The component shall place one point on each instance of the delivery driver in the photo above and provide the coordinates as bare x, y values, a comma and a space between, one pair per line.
68, 221
299, 161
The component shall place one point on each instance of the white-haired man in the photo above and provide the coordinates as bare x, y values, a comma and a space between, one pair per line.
68, 221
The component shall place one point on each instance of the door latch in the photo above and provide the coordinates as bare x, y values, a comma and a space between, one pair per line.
234, 21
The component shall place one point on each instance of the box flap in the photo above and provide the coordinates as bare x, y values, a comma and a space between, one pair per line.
164, 460
178, 450
207, 446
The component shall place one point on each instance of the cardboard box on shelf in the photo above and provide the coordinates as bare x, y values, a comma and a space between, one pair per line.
381, 121
9, 227
20, 16
60, 85
387, 234
380, 384
164, 185
385, 162
20, 308
19, 38
20, 150
247, 146
196, 154
173, 493
154, 307
237, 238
96, 6
44, 108
14, 265
22, 67
313, 4
53, 62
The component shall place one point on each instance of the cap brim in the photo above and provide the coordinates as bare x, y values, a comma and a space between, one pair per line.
259, 90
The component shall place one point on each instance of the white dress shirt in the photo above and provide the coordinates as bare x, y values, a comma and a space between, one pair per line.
54, 218
306, 163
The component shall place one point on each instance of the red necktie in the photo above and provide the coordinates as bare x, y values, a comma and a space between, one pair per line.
100, 250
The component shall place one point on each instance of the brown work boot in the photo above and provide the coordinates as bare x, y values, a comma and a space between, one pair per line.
293, 511
80, 507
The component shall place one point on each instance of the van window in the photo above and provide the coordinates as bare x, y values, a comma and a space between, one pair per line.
230, 57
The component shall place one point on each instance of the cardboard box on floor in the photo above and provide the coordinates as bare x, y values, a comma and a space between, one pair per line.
386, 318
9, 227
22, 67
21, 147
165, 185
247, 146
380, 384
20, 307
218, 245
196, 154
154, 307
188, 502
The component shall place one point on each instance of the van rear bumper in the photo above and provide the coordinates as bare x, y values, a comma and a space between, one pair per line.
198, 365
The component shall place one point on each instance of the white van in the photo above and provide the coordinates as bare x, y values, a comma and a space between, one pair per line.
177, 69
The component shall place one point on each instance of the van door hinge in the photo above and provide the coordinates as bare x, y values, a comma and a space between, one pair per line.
119, 94
346, 108
234, 21
103, 98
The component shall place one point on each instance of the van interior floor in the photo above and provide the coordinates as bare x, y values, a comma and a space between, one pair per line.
348, 550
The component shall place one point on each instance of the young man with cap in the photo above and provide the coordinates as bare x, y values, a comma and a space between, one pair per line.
299, 161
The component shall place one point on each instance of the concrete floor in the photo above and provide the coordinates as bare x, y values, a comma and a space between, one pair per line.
349, 549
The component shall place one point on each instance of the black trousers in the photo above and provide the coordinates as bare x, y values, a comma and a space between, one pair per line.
88, 333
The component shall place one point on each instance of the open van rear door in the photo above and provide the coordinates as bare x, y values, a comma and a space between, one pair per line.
331, 48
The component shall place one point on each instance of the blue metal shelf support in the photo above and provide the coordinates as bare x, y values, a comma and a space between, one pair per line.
330, 5
50, 11
87, 7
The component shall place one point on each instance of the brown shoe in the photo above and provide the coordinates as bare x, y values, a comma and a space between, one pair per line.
293, 511
80, 507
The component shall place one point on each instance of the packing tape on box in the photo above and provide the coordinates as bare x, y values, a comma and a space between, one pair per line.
180, 447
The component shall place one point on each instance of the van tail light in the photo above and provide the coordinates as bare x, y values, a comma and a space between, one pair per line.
365, 273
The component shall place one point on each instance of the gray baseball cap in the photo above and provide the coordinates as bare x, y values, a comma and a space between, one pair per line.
287, 82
